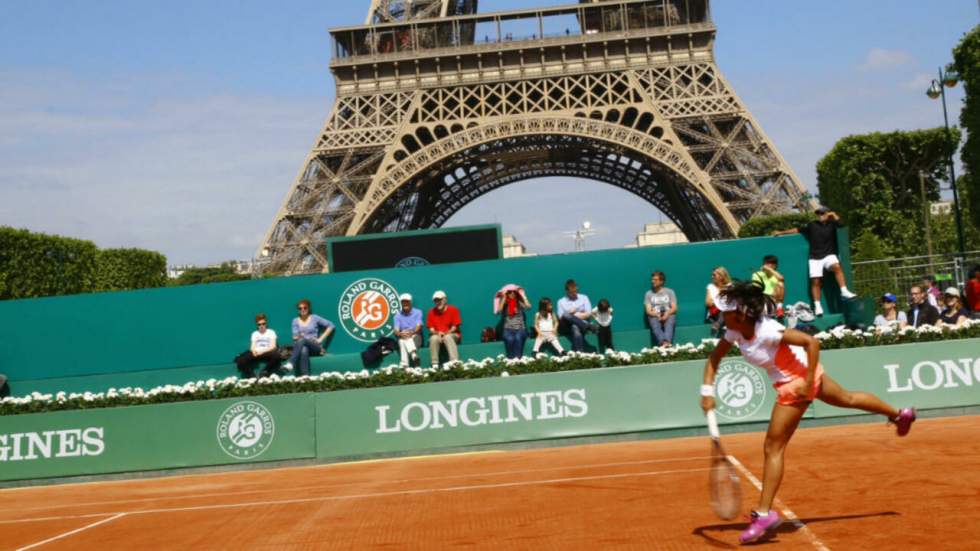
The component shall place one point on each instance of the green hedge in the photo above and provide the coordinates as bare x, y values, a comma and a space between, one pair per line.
764, 225
122, 269
40, 265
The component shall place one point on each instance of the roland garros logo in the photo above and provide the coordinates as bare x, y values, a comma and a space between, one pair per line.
245, 430
367, 309
739, 389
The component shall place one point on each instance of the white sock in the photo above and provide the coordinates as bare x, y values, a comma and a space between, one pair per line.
844, 290
818, 309
779, 305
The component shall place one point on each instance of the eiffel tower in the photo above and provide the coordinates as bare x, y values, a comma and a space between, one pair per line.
437, 105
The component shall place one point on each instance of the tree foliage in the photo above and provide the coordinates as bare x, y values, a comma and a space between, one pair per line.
764, 225
121, 269
211, 274
873, 182
966, 58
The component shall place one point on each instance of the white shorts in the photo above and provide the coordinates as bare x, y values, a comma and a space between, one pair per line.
819, 266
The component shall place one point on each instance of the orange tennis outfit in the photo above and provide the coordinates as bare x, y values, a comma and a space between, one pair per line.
785, 364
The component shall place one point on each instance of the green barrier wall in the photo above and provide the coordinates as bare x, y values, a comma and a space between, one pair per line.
210, 324
164, 436
459, 413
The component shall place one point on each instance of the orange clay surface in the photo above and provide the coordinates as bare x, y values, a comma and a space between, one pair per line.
853, 487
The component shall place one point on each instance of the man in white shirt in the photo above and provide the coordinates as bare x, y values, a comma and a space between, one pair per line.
263, 349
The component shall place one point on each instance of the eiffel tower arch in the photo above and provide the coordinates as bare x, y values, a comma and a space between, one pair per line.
437, 105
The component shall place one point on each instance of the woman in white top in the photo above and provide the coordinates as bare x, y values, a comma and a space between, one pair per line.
792, 360
719, 280
890, 315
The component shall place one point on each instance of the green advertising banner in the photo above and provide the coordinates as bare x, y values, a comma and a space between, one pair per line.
933, 375
152, 437
530, 407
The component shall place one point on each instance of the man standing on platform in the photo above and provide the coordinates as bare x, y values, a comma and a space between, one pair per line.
574, 311
443, 322
822, 235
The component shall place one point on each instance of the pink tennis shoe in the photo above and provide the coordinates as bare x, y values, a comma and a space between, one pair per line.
903, 423
760, 526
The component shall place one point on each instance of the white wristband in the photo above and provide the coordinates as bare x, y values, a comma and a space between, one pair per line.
707, 390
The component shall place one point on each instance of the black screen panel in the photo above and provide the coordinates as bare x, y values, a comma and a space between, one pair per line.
414, 249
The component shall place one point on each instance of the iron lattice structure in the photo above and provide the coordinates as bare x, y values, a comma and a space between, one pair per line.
437, 105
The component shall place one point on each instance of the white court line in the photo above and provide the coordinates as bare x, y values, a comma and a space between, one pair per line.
75, 531
327, 486
233, 472
369, 496
790, 515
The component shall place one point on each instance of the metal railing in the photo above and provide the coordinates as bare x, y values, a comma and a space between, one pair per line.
874, 278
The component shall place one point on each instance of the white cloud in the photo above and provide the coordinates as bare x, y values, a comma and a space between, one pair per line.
195, 177
880, 59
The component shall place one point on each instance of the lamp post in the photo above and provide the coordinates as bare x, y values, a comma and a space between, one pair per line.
937, 89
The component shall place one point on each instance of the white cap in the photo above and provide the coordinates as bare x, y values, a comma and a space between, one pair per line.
952, 291
405, 296
438, 294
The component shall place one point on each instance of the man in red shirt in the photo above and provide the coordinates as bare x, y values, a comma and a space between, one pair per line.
973, 291
443, 322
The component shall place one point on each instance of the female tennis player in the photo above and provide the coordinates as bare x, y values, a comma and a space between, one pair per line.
792, 359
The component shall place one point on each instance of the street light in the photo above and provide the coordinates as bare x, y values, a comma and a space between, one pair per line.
948, 79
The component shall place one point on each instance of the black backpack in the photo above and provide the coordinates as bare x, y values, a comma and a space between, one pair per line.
377, 350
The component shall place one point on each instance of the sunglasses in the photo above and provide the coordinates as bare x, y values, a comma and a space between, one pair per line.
262, 324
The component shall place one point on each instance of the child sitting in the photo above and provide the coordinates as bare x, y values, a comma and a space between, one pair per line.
602, 314
546, 326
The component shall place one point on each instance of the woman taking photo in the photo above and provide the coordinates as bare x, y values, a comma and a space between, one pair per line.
511, 302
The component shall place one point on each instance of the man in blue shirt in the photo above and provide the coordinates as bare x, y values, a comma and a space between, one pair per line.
574, 311
408, 329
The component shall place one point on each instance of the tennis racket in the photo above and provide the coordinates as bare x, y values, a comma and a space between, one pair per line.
723, 481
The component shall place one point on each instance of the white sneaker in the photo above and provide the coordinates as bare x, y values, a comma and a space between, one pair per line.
818, 310
844, 293
287, 366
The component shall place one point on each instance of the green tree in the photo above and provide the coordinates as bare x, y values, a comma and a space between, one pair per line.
943, 226
872, 181
966, 58
210, 274
764, 225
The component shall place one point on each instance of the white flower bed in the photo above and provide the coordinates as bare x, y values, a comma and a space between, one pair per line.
231, 386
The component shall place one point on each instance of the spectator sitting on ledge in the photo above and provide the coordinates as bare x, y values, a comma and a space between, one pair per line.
443, 322
408, 329
973, 291
920, 311
890, 315
661, 308
574, 311
954, 314
307, 339
263, 349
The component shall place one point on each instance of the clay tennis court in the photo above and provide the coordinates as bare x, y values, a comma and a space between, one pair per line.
852, 487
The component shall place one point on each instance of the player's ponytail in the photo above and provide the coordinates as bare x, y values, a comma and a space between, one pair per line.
749, 298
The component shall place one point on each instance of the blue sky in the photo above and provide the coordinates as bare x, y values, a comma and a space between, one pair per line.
179, 126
